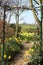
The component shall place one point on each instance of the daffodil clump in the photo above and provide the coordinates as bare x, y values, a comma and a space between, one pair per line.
27, 34
27, 52
19, 39
27, 56
33, 53
14, 38
7, 57
31, 50
12, 47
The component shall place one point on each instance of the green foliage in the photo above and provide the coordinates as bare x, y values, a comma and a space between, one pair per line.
36, 55
28, 28
29, 37
11, 48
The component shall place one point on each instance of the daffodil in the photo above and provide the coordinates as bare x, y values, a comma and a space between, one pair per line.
31, 50
26, 60
27, 52
10, 38
15, 38
31, 34
9, 57
5, 56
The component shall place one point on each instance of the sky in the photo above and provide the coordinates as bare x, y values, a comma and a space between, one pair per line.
26, 17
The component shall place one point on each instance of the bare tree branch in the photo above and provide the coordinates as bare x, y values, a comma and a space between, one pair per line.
34, 13
36, 2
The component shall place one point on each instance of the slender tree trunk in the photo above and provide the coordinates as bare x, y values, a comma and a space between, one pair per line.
42, 31
37, 20
42, 24
41, 2
17, 20
34, 13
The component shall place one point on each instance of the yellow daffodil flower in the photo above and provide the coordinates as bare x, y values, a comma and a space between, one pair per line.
5, 56
31, 50
9, 57
27, 53
26, 60
10, 38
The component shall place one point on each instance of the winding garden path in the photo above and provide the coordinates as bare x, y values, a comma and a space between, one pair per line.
19, 59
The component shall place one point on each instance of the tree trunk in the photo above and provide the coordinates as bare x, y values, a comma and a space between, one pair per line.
36, 18
42, 31
17, 20
34, 13
41, 2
